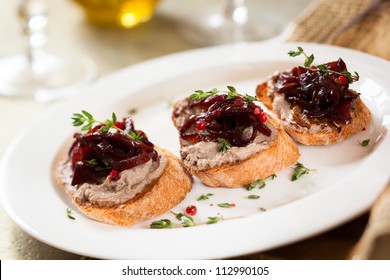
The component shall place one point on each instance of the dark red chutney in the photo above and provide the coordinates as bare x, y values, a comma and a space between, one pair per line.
320, 94
94, 155
221, 116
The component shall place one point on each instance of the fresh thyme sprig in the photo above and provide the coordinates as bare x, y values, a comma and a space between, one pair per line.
163, 223
86, 120
258, 184
187, 221
200, 95
299, 171
309, 59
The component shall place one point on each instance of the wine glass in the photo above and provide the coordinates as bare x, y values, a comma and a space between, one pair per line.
234, 22
36, 73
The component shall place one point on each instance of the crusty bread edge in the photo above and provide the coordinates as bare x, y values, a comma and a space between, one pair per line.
170, 189
361, 117
281, 153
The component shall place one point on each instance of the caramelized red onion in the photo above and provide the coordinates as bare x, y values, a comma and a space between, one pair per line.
319, 94
222, 117
94, 154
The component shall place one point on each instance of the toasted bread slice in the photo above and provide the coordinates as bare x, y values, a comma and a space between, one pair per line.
280, 154
159, 197
323, 134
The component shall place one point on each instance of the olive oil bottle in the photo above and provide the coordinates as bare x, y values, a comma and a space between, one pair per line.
118, 13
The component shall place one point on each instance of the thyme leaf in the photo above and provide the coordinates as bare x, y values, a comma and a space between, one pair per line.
178, 216
272, 177
232, 93
226, 205
231, 89
213, 220
189, 222
163, 223
135, 136
365, 142
323, 67
225, 145
93, 161
205, 196
249, 98
69, 214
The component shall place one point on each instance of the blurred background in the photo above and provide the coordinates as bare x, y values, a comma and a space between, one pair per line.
114, 48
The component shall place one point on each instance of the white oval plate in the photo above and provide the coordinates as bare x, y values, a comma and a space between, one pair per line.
345, 180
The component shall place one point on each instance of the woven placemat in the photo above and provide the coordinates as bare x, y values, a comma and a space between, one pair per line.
323, 19
357, 24
375, 242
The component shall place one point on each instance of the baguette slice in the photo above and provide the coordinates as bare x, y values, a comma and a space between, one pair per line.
168, 191
281, 153
326, 135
